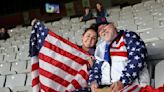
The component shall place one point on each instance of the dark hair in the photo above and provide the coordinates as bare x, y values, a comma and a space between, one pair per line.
96, 25
90, 28
102, 8
86, 8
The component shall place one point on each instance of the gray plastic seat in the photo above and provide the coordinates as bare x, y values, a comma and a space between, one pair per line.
159, 74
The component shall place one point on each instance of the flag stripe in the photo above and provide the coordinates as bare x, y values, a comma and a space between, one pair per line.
67, 42
34, 60
47, 89
124, 54
36, 88
120, 45
35, 66
56, 71
84, 74
133, 88
55, 78
51, 84
65, 46
75, 84
35, 73
58, 64
35, 81
65, 53
60, 58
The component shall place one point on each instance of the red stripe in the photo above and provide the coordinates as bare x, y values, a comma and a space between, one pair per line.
35, 66
84, 74
65, 53
47, 89
66, 41
133, 88
124, 54
35, 81
58, 64
126, 87
53, 77
75, 84
121, 45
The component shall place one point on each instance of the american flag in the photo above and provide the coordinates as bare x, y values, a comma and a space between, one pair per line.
57, 64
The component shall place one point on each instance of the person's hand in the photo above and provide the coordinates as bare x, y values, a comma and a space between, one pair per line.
91, 61
116, 86
33, 21
81, 18
93, 87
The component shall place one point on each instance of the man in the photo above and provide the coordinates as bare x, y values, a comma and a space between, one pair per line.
119, 59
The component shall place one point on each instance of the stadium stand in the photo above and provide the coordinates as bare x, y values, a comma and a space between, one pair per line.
145, 18
158, 75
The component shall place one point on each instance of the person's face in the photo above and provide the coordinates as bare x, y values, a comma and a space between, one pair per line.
86, 10
89, 38
98, 6
2, 30
107, 32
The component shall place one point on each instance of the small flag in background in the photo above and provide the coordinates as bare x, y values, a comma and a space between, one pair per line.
58, 65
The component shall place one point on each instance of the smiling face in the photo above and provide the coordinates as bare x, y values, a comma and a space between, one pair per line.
89, 38
107, 32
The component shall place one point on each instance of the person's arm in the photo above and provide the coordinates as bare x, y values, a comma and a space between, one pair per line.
95, 74
136, 55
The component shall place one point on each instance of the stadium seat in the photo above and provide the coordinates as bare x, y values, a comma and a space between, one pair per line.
75, 20
1, 58
159, 74
28, 80
151, 35
19, 66
22, 89
10, 57
4, 89
15, 80
155, 49
2, 81
5, 69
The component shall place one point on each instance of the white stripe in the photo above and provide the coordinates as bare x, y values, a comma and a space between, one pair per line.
118, 44
55, 70
35, 74
82, 82
51, 84
36, 88
123, 48
70, 88
34, 60
66, 47
80, 79
130, 87
42, 90
60, 58
119, 59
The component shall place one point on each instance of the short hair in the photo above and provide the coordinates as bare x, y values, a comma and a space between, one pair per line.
96, 26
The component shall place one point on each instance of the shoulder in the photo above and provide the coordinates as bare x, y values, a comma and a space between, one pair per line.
131, 34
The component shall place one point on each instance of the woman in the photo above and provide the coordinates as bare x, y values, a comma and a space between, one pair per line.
101, 13
89, 39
